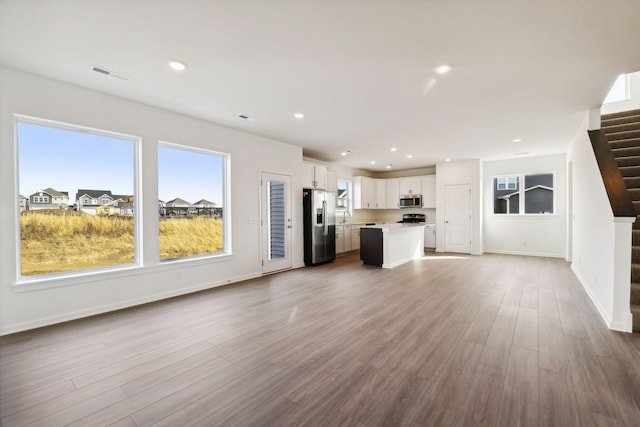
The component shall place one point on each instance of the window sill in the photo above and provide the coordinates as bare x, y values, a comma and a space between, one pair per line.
28, 284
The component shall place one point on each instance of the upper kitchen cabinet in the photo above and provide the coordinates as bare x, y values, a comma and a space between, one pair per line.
428, 183
315, 176
410, 185
381, 194
392, 191
332, 181
364, 192
368, 193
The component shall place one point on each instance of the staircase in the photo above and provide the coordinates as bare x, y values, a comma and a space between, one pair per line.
623, 133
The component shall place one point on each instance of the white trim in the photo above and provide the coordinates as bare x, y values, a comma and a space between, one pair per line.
46, 321
137, 192
594, 300
523, 253
88, 277
226, 189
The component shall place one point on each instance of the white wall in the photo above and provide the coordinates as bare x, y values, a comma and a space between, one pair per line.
455, 173
31, 95
543, 235
601, 250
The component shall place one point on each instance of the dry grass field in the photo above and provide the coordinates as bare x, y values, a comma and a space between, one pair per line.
187, 237
55, 242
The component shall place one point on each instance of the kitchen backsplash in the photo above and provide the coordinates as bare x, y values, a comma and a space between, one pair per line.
386, 215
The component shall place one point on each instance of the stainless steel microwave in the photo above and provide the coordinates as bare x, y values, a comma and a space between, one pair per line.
410, 201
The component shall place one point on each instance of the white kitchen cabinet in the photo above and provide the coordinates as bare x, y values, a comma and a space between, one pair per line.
364, 192
369, 193
347, 238
355, 238
430, 236
332, 181
428, 183
315, 176
381, 194
340, 239
410, 185
392, 193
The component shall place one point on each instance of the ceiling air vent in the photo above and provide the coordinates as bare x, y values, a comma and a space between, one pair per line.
110, 73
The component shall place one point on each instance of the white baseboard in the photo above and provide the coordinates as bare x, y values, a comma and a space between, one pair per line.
626, 325
52, 320
522, 253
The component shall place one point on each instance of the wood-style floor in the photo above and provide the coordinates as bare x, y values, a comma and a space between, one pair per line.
443, 341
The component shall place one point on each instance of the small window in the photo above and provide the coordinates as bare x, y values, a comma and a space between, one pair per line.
343, 198
507, 183
535, 197
619, 91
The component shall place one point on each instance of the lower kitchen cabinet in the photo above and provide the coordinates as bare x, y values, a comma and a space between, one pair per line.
339, 239
355, 238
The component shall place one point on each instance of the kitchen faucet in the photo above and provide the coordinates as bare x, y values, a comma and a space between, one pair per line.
344, 216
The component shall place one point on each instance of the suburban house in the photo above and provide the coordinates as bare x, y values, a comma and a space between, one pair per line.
178, 207
48, 199
516, 124
24, 203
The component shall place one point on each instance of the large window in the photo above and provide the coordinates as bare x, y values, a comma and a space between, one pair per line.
531, 194
57, 235
192, 186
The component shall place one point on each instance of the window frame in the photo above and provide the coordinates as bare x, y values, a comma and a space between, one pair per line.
226, 203
349, 198
520, 178
74, 276
626, 87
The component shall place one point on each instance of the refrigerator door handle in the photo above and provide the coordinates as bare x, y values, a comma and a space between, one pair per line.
324, 216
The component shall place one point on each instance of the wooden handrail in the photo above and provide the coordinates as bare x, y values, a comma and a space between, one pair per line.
619, 197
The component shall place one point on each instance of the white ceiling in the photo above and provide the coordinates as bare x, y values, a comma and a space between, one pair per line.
361, 71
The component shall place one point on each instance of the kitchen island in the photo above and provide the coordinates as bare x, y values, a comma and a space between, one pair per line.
389, 245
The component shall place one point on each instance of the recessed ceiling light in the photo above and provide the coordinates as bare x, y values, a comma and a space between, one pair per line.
394, 149
517, 139
388, 166
346, 152
177, 65
298, 115
447, 160
409, 156
373, 162
444, 68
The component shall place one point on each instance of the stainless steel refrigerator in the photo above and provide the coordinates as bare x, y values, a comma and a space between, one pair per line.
319, 208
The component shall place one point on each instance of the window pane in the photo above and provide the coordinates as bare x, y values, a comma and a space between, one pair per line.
191, 187
505, 195
342, 201
619, 91
538, 194
57, 234
277, 221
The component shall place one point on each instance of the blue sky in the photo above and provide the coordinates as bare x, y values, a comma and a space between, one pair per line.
189, 175
66, 161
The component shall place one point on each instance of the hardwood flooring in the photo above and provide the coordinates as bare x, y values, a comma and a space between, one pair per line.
443, 341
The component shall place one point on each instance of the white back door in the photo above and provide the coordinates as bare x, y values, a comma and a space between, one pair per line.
276, 222
457, 218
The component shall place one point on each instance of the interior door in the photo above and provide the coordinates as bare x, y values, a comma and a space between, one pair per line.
276, 222
457, 218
